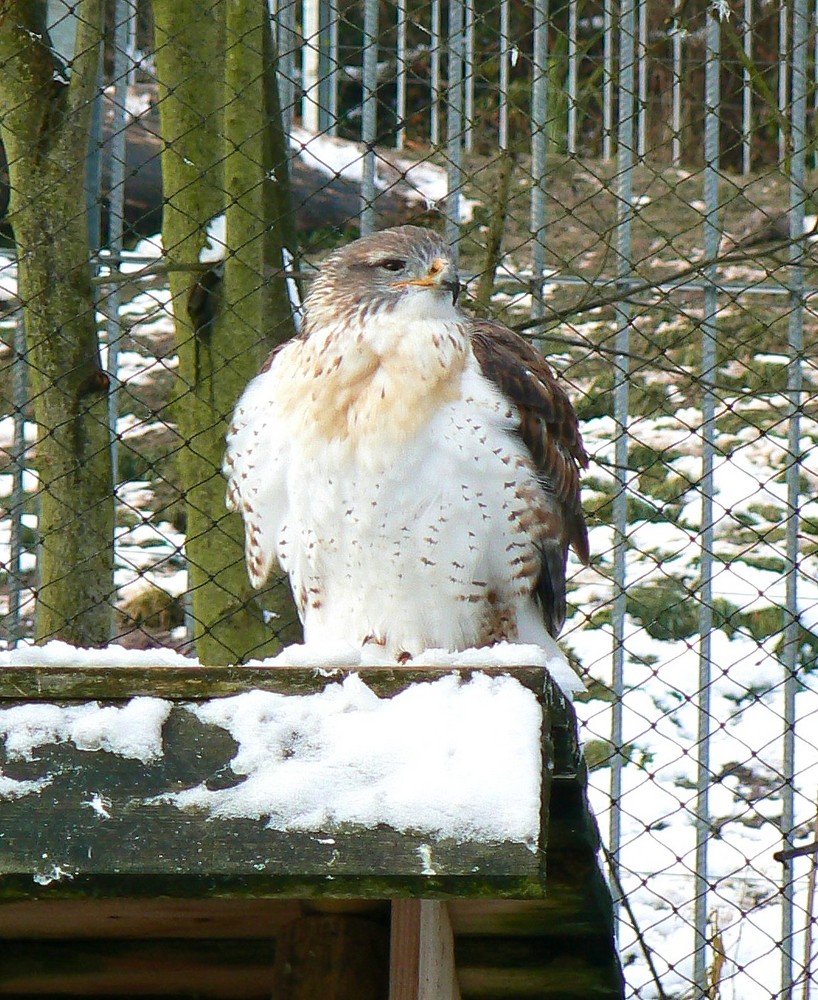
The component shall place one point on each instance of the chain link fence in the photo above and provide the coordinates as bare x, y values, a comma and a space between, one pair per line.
628, 183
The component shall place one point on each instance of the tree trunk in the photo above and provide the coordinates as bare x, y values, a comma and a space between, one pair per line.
44, 123
221, 150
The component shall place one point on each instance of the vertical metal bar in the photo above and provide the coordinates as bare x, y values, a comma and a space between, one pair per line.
676, 90
572, 78
747, 90
468, 75
624, 200
504, 61
124, 32
454, 123
607, 79
17, 498
642, 68
369, 116
798, 197
709, 340
401, 69
284, 20
334, 64
783, 81
326, 80
310, 59
435, 71
539, 150
815, 84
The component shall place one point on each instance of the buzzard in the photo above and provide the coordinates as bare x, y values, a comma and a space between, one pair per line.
413, 469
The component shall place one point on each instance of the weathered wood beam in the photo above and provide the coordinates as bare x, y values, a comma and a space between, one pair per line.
218, 969
332, 957
78, 812
421, 965
87, 919
195, 683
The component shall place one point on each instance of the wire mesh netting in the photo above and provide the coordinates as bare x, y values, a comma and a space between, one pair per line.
630, 184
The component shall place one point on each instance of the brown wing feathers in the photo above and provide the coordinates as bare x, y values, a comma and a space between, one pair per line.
548, 427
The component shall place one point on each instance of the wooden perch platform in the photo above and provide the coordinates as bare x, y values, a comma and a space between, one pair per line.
109, 887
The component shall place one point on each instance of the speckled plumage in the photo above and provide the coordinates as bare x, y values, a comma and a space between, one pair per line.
414, 470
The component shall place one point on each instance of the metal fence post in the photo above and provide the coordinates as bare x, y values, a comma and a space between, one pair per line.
468, 75
676, 89
747, 90
401, 72
369, 119
539, 150
434, 69
642, 72
124, 30
310, 64
333, 65
783, 80
708, 433
572, 78
454, 124
624, 193
798, 196
607, 79
503, 80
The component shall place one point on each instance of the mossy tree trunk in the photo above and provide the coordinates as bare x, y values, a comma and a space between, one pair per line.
44, 122
221, 127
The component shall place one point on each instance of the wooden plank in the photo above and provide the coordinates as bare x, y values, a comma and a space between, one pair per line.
205, 968
84, 811
83, 919
422, 952
19, 887
533, 969
195, 683
333, 957
404, 949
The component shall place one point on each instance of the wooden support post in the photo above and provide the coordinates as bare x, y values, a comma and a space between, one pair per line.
331, 957
421, 962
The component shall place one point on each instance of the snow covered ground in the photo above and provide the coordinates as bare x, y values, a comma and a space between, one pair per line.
745, 690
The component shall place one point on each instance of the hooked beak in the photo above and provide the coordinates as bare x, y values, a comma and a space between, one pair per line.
441, 274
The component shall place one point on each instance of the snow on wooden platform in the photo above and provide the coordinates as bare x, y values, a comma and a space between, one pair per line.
382, 773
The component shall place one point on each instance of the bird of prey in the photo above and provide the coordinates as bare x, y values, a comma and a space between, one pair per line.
413, 469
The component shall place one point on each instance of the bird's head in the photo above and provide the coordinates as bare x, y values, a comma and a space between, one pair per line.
386, 270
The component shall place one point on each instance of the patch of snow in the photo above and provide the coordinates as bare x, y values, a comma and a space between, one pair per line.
101, 805
12, 788
7, 432
139, 369
133, 730
216, 248
52, 873
772, 359
422, 182
293, 293
448, 758
61, 654
146, 252
502, 654
31, 483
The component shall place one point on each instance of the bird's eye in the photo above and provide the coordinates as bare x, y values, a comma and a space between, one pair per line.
392, 264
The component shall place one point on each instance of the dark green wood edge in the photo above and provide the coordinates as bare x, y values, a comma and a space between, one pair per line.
195, 683
23, 887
